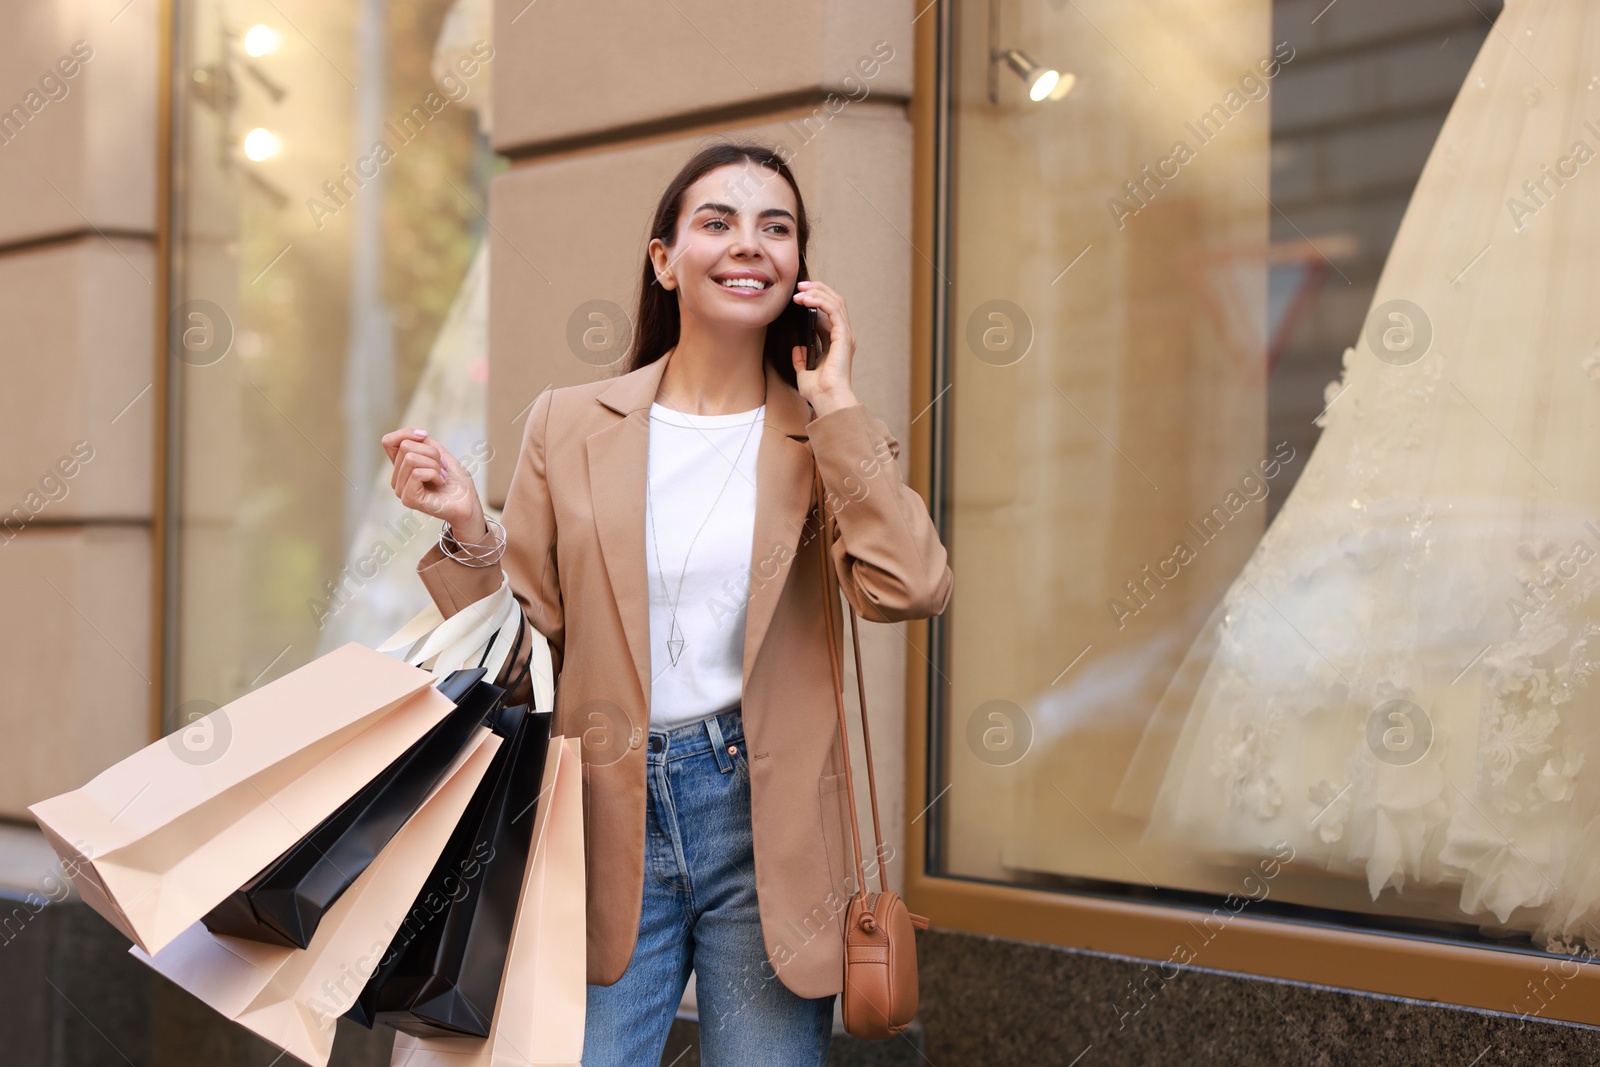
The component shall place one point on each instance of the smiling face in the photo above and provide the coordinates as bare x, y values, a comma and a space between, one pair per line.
735, 255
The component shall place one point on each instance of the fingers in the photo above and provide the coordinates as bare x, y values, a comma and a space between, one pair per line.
416, 489
392, 439
818, 294
812, 294
838, 344
830, 306
833, 328
428, 450
426, 477
424, 487
825, 325
397, 444
416, 478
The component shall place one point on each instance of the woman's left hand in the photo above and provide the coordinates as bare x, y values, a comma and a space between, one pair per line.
828, 387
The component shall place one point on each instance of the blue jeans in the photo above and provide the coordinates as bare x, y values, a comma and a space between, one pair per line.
700, 913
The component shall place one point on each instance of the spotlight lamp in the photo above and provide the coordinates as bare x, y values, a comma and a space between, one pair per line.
1043, 83
261, 144
262, 40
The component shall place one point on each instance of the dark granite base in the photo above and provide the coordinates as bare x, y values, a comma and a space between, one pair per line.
991, 1001
71, 996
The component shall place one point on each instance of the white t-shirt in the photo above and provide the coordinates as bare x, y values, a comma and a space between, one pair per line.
691, 468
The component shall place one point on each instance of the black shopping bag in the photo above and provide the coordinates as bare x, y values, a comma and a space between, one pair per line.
442, 972
285, 903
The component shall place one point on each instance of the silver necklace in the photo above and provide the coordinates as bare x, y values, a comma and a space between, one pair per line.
674, 631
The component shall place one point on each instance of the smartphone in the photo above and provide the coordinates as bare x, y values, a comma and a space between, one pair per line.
813, 345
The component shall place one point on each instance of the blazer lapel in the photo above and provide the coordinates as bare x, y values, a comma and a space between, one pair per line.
618, 459
784, 494
618, 462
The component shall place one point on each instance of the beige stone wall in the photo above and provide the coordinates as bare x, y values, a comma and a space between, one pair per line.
78, 270
599, 104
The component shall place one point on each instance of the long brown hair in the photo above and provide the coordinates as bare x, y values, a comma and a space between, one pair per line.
657, 323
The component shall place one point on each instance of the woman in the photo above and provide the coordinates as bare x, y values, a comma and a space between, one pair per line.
658, 530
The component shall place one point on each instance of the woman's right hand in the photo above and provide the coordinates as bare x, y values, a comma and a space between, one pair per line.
427, 478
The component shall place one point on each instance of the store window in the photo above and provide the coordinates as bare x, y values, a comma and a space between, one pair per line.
329, 281
1274, 520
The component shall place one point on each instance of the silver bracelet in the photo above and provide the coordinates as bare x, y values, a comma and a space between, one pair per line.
498, 538
488, 558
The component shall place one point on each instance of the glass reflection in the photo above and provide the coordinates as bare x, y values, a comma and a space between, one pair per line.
331, 163
1185, 307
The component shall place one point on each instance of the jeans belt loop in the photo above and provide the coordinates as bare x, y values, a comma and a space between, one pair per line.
718, 746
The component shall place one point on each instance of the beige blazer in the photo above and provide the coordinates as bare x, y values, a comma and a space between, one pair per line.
575, 559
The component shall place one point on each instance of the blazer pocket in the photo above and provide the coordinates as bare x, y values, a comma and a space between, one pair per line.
835, 832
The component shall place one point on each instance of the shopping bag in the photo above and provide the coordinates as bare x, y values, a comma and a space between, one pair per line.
539, 1016
284, 904
292, 997
446, 978
156, 841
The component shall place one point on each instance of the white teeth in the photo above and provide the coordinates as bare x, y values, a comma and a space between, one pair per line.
743, 283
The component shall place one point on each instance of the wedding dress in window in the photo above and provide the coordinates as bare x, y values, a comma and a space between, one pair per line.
1400, 683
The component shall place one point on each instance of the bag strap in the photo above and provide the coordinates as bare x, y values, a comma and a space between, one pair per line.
444, 645
490, 646
527, 665
450, 642
830, 604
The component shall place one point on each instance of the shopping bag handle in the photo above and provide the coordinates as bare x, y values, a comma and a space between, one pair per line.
527, 664
446, 644
449, 641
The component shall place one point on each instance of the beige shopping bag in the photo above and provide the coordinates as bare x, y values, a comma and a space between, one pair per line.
293, 997
539, 1016
158, 840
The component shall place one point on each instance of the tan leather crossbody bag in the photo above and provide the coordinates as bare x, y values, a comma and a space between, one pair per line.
880, 947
